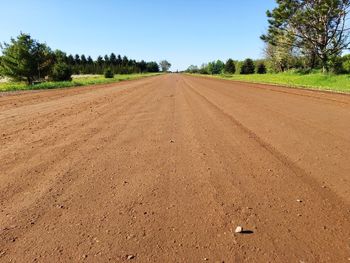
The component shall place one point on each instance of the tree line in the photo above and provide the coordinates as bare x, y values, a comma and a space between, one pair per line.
81, 64
27, 59
231, 66
302, 36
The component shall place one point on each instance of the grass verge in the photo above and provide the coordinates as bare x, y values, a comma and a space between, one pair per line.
84, 81
319, 81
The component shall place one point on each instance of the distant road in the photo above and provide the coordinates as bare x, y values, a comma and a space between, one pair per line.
164, 169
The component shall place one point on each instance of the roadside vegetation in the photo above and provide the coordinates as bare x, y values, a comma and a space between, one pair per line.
304, 46
75, 82
320, 81
28, 64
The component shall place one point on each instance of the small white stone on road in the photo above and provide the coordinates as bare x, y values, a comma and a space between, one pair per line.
239, 229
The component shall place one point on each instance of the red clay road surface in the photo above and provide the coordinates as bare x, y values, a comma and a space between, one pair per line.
164, 169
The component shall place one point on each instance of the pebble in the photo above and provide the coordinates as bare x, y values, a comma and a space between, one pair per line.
239, 229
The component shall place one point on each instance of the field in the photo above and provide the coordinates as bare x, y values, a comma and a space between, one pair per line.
338, 83
77, 81
165, 168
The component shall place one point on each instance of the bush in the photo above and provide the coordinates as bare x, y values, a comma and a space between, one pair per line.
261, 69
204, 71
248, 67
346, 63
109, 74
61, 72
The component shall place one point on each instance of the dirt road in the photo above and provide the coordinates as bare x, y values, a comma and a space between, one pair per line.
164, 169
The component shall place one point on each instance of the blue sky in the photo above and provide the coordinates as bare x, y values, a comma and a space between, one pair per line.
182, 31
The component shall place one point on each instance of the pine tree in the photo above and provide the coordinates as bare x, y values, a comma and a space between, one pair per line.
248, 67
106, 60
77, 60
319, 27
261, 69
26, 58
142, 66
99, 61
90, 61
230, 67
113, 59
83, 60
119, 60
70, 60
125, 61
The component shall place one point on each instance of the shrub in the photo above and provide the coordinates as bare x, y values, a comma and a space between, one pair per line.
204, 71
346, 63
261, 69
248, 67
109, 74
61, 72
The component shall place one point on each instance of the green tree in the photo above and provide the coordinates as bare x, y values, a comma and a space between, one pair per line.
261, 68
165, 65
83, 60
119, 60
281, 56
192, 69
113, 59
106, 60
77, 60
70, 60
60, 56
26, 59
248, 67
61, 72
346, 63
99, 61
216, 67
152, 67
142, 66
125, 61
204, 69
316, 27
90, 61
230, 66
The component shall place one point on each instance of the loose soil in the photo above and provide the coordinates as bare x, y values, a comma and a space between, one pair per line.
164, 169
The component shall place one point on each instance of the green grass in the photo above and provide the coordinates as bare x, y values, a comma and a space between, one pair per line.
12, 86
338, 83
